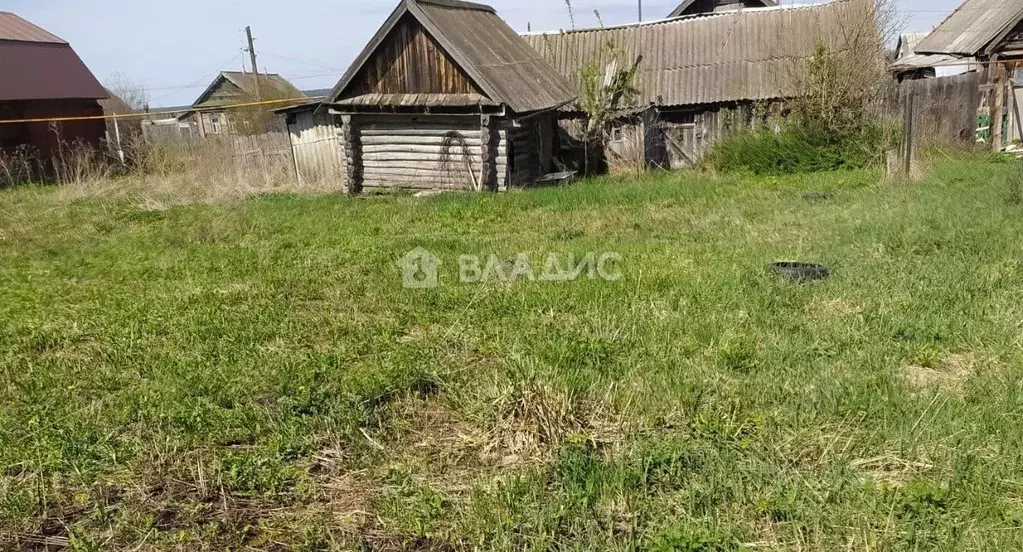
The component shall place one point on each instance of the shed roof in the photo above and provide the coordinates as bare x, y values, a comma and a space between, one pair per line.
973, 28
115, 105
271, 86
497, 60
686, 4
38, 65
724, 57
417, 100
908, 59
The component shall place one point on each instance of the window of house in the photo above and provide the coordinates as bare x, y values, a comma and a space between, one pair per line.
215, 124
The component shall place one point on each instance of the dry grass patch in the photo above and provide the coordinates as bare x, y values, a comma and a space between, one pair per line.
206, 171
949, 375
535, 420
834, 308
891, 470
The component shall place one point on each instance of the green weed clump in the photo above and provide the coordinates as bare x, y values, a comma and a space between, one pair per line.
834, 122
798, 148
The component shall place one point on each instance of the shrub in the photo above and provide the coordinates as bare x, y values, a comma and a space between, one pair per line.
836, 121
798, 148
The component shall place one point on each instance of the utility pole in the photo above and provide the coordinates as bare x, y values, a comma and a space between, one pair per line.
640, 11
255, 68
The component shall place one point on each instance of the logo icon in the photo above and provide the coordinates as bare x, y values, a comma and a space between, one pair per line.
419, 269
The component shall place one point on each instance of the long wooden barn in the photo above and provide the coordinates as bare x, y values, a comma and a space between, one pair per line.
445, 96
692, 72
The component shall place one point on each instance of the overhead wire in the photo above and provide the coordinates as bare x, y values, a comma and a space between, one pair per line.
297, 101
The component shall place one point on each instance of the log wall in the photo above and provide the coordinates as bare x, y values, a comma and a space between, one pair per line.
428, 153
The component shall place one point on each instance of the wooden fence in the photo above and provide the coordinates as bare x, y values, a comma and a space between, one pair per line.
945, 108
267, 157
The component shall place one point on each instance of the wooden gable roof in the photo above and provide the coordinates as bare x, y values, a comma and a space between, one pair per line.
975, 28
446, 52
230, 88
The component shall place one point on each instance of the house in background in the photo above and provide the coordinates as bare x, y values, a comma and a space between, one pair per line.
41, 76
445, 96
211, 113
693, 7
992, 32
693, 73
909, 65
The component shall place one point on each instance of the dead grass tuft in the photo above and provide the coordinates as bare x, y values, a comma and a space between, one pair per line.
949, 376
535, 420
890, 470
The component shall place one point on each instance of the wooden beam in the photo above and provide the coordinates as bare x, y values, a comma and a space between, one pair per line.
998, 104
353, 155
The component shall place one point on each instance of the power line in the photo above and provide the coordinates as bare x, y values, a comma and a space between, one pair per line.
300, 60
296, 101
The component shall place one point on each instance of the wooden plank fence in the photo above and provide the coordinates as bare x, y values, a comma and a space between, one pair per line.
267, 157
945, 108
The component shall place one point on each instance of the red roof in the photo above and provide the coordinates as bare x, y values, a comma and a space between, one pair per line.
13, 27
38, 65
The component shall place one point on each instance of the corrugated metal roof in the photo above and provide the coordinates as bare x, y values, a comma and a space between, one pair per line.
720, 5
417, 100
486, 48
972, 27
45, 71
13, 27
908, 58
742, 55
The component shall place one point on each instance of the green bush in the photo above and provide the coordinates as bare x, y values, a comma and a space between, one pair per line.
798, 149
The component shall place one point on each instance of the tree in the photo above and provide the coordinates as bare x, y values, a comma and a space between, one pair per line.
132, 93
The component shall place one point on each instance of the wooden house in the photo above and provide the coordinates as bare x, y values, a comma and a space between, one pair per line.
992, 32
697, 76
445, 96
41, 77
909, 65
212, 113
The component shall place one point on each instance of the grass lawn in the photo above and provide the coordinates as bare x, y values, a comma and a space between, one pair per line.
254, 375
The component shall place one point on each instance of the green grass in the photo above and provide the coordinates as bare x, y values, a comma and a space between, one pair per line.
255, 375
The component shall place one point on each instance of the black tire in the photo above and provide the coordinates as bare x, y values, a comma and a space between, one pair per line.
801, 272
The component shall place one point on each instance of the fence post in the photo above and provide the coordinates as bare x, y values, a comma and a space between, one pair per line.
908, 130
120, 148
998, 104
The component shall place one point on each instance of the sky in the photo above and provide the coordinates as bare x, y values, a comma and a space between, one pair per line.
175, 49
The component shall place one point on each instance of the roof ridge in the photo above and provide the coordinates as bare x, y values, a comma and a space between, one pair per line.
691, 17
249, 73
458, 4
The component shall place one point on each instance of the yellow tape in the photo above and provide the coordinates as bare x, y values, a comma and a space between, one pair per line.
150, 114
